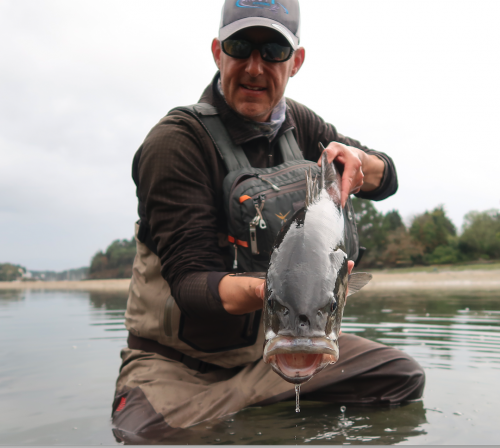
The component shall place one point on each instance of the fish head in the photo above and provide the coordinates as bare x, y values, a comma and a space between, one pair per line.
303, 308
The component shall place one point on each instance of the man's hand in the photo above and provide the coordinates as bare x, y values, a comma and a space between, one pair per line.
361, 170
241, 295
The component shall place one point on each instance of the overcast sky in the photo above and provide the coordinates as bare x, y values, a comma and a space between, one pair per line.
83, 81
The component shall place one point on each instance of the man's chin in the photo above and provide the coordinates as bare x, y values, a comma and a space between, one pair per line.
253, 111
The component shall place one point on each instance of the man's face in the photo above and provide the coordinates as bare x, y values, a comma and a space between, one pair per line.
252, 86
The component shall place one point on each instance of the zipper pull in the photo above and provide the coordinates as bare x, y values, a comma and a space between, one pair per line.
253, 238
274, 187
253, 229
259, 208
235, 263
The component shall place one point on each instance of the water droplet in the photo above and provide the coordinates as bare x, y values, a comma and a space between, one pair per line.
232, 433
74, 347
297, 398
217, 440
342, 409
457, 413
259, 433
75, 427
342, 371
427, 314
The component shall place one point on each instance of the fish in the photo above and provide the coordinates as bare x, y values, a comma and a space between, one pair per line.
308, 281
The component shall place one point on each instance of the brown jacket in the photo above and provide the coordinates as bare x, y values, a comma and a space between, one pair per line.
179, 176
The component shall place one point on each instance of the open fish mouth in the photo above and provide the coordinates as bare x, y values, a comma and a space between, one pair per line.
297, 359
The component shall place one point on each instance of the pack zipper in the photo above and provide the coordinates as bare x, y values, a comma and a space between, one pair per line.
252, 176
262, 176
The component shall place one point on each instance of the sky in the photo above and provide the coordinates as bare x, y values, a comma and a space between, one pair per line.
83, 81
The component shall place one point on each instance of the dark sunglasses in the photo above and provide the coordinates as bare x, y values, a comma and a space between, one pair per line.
270, 52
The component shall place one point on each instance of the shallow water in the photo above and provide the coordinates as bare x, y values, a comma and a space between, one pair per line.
59, 356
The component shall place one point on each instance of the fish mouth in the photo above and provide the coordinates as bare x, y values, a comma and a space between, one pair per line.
297, 359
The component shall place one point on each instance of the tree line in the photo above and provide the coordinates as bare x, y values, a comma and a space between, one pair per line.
430, 238
115, 262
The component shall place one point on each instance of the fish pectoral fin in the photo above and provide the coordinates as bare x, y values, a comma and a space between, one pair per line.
357, 281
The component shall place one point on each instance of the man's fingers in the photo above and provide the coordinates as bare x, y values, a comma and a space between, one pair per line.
352, 180
259, 291
331, 154
352, 177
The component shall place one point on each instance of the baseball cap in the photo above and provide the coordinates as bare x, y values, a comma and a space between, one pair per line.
282, 16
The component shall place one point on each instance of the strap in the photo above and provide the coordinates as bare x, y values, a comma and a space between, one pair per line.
232, 155
148, 345
289, 148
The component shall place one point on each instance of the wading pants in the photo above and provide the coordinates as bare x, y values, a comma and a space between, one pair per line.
155, 395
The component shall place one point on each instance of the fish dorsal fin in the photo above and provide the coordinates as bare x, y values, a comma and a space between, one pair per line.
357, 281
312, 190
330, 179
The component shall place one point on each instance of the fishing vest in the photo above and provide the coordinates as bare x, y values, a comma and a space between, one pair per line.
257, 202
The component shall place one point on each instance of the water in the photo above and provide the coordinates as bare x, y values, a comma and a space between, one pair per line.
297, 398
60, 359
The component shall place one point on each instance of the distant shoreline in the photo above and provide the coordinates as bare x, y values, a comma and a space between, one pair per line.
484, 280
477, 279
113, 285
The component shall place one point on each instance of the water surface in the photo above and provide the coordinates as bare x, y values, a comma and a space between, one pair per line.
60, 360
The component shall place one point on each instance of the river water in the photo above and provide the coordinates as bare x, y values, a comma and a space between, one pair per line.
59, 355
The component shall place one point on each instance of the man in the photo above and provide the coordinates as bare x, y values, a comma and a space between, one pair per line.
195, 343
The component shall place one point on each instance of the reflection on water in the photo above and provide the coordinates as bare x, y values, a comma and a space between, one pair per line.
60, 359
449, 332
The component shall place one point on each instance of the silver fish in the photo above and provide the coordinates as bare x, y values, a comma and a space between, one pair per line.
307, 283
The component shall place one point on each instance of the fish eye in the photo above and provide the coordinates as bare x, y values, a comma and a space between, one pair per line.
334, 305
285, 312
320, 313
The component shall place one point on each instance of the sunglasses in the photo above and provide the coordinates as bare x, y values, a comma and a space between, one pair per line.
270, 52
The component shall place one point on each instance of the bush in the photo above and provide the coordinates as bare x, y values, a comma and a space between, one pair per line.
432, 229
444, 255
481, 235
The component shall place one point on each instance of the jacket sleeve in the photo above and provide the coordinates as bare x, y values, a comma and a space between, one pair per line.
312, 129
178, 178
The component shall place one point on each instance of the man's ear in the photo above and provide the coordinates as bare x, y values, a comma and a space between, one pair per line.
298, 59
216, 51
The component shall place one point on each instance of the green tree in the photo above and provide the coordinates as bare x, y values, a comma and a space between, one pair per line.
10, 272
374, 229
369, 222
481, 235
116, 262
392, 221
401, 249
432, 229
446, 254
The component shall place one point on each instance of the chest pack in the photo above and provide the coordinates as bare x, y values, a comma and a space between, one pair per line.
259, 201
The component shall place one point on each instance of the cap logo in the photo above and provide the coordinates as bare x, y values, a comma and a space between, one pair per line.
271, 5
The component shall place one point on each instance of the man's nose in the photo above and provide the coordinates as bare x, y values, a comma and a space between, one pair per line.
254, 64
